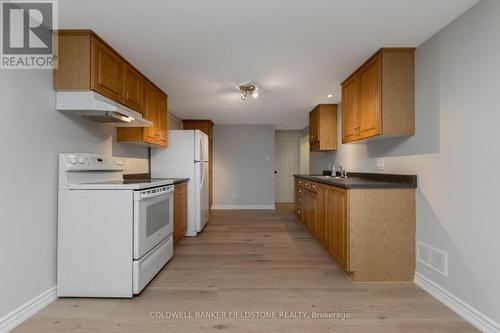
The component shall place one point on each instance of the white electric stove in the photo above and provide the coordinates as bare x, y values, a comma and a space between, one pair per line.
114, 235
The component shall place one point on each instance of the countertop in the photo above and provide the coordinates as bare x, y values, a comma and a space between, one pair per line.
179, 180
147, 177
365, 180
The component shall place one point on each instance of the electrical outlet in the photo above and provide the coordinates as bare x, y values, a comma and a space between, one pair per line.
380, 164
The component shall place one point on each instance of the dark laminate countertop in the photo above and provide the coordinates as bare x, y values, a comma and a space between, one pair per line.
366, 180
147, 176
179, 180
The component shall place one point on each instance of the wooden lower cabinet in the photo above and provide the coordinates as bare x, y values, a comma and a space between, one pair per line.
312, 211
180, 211
370, 233
335, 229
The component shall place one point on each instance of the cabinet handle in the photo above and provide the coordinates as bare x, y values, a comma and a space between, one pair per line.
300, 191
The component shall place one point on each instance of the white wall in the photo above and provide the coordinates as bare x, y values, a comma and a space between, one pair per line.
174, 123
243, 166
455, 153
32, 135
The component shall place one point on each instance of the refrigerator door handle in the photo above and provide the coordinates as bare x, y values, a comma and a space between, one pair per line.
202, 176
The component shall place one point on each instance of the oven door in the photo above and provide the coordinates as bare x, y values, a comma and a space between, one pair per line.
153, 218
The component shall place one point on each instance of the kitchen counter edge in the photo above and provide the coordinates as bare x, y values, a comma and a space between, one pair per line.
365, 181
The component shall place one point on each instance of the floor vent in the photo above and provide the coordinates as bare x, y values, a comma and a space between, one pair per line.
433, 258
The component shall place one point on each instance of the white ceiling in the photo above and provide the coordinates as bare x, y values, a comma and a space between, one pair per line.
296, 52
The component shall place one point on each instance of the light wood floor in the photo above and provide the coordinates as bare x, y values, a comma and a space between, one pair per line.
254, 261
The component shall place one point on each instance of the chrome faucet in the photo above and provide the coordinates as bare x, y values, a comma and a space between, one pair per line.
343, 172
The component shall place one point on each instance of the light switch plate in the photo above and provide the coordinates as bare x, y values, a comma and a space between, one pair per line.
380, 164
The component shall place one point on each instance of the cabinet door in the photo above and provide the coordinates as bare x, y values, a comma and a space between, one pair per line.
337, 225
177, 213
107, 69
350, 129
180, 211
320, 216
184, 208
150, 112
133, 88
305, 207
162, 120
313, 213
314, 126
370, 95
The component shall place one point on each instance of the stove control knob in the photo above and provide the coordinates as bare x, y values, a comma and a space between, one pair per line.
80, 160
72, 160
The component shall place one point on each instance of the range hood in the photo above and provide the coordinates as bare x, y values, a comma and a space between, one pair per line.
90, 104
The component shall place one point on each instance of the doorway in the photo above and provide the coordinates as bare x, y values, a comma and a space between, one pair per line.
287, 161
304, 154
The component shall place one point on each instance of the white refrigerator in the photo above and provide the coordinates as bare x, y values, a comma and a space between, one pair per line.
186, 157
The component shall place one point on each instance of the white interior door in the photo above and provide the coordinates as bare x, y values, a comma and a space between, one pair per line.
304, 154
287, 163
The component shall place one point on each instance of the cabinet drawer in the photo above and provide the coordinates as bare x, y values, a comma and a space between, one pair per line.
311, 186
299, 191
299, 182
145, 269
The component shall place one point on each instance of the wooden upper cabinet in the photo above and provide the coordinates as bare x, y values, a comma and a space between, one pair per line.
150, 113
86, 62
162, 119
378, 99
369, 122
106, 72
154, 110
323, 128
350, 109
314, 126
133, 88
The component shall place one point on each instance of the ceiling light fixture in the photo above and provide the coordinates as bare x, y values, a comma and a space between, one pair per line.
248, 89
330, 96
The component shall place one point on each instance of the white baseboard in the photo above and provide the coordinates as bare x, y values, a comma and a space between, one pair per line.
464, 310
242, 207
28, 309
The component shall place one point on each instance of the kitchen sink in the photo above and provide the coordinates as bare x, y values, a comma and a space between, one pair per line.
327, 177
